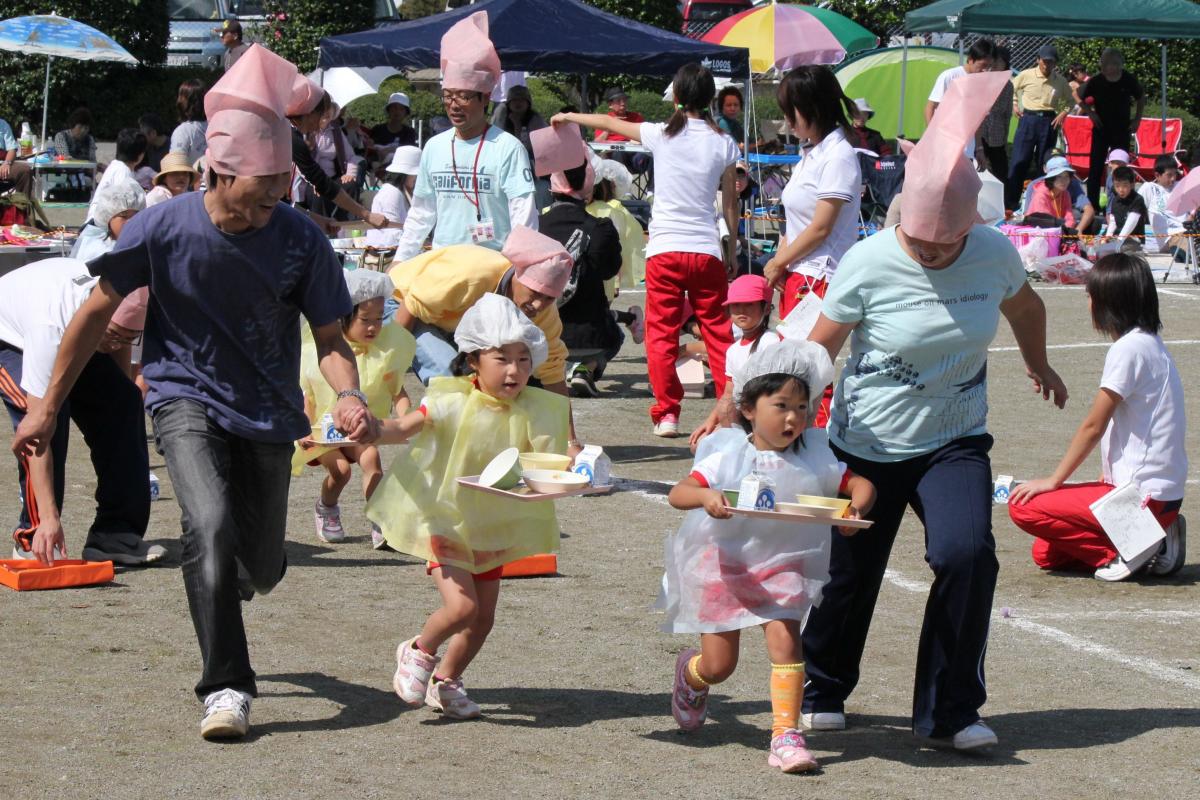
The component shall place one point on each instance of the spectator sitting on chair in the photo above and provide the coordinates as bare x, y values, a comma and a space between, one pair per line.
1109, 99
13, 174
1127, 212
618, 108
158, 144
1041, 98
1117, 158
394, 197
76, 143
862, 137
1084, 211
1168, 227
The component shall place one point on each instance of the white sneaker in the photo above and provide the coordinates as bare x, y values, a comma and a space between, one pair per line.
1119, 569
329, 523
226, 715
27, 555
1173, 552
378, 541
667, 427
450, 698
824, 721
975, 736
414, 668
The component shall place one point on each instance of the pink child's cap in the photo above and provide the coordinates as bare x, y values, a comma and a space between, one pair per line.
749, 289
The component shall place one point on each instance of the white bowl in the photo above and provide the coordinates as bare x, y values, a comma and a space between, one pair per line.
503, 471
553, 481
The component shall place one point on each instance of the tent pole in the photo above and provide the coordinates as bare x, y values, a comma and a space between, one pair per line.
1163, 127
583, 93
45, 102
903, 81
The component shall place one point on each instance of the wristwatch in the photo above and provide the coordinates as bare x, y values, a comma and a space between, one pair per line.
355, 393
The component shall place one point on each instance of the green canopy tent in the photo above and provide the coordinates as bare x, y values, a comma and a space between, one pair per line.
1122, 19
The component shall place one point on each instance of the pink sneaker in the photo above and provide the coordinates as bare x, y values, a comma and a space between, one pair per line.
413, 671
790, 753
450, 698
688, 706
637, 328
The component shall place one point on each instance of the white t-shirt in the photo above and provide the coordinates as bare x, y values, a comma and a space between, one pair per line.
1162, 222
37, 302
939, 91
687, 173
390, 202
1144, 441
739, 352
828, 171
115, 171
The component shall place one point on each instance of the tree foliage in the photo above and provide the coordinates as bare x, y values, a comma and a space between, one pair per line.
877, 16
1142, 60
659, 13
294, 28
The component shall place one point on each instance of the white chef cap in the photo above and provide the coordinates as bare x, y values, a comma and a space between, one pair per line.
615, 171
807, 361
365, 284
115, 198
495, 321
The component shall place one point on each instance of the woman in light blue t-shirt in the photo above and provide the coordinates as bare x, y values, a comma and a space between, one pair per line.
920, 304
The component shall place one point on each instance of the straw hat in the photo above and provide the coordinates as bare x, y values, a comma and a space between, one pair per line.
175, 162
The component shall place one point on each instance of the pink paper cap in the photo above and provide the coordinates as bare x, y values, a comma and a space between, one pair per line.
260, 81
560, 185
246, 144
469, 60
1185, 196
557, 148
941, 187
541, 263
305, 96
131, 314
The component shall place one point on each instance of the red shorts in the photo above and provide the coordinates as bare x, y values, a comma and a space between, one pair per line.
490, 575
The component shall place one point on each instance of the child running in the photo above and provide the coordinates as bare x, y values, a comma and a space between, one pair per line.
749, 305
384, 353
1138, 420
726, 573
466, 535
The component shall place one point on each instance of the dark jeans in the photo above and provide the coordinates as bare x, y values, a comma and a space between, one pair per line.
233, 493
950, 491
107, 408
1032, 144
997, 156
1104, 141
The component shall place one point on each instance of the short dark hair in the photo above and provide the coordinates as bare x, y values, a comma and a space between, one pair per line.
1164, 163
190, 100
1002, 56
576, 178
729, 91
80, 116
1076, 67
766, 385
131, 144
1124, 175
984, 48
813, 92
1123, 296
151, 122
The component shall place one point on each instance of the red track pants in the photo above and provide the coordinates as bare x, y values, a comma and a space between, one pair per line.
669, 276
793, 291
1068, 536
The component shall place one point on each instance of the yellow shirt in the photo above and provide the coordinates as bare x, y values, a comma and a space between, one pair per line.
439, 286
1033, 91
633, 244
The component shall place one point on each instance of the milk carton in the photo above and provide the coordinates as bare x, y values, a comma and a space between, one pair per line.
1002, 489
329, 431
756, 493
153, 487
594, 465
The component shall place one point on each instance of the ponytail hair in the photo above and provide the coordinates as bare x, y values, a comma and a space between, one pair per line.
694, 90
814, 94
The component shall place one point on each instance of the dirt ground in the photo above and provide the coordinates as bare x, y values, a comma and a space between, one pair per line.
1093, 686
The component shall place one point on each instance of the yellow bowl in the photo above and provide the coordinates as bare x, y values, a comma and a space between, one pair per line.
813, 505
550, 481
550, 461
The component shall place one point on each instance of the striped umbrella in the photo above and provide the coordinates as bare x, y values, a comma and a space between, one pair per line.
787, 36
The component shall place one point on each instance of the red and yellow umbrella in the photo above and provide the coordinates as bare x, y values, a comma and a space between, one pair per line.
787, 36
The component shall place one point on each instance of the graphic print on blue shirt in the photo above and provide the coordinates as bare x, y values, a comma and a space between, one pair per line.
223, 326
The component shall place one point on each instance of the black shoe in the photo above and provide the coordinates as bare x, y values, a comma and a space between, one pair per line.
582, 384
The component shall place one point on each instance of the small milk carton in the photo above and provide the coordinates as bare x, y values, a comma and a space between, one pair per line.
1002, 489
594, 465
756, 493
154, 488
329, 431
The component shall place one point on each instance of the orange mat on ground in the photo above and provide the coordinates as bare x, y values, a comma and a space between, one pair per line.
25, 575
531, 566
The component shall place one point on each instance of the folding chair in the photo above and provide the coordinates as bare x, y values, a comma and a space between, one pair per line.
1149, 143
883, 177
1077, 131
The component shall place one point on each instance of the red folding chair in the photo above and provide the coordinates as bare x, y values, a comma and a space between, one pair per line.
1149, 143
1077, 131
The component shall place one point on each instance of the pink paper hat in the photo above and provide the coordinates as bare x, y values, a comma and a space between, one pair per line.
469, 60
560, 185
248, 133
941, 187
541, 263
557, 148
131, 313
1185, 196
305, 96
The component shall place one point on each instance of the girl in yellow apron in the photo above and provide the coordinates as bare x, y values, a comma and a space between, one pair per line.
467, 535
383, 353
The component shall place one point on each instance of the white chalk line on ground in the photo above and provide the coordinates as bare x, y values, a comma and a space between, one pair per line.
1175, 293
1078, 345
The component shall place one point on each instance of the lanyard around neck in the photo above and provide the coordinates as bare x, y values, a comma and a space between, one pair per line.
474, 173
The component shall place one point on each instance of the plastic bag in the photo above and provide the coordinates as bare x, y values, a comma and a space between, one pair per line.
1064, 270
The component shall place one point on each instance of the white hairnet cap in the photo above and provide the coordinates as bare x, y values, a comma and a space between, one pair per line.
119, 196
495, 321
615, 171
365, 284
807, 361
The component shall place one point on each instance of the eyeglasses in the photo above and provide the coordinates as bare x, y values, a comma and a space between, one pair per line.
458, 98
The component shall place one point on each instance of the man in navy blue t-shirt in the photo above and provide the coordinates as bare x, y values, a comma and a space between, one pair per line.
230, 272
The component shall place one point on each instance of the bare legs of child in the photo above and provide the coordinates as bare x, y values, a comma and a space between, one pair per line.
337, 463
465, 619
715, 661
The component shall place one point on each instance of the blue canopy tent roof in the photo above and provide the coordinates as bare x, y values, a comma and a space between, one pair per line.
538, 36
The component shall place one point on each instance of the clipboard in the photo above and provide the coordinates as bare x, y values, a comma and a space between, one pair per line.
1129, 525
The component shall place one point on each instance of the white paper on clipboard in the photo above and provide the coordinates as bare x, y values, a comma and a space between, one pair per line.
1130, 526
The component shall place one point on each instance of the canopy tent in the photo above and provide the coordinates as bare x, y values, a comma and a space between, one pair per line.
1122, 19
538, 36
875, 75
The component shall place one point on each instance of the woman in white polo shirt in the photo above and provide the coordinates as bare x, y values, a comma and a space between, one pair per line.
822, 199
692, 159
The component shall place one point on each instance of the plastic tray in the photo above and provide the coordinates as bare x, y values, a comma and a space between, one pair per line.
24, 575
526, 495
779, 516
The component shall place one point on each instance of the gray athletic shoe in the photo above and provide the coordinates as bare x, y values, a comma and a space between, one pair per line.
1173, 551
128, 549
